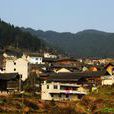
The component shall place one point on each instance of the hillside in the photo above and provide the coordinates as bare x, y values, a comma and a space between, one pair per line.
87, 43
11, 36
97, 102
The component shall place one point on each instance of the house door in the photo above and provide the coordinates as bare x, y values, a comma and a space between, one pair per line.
3, 85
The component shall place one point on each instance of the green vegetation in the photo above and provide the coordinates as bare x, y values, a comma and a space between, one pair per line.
11, 36
101, 101
88, 43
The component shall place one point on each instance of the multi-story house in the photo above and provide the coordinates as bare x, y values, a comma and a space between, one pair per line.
19, 65
70, 86
10, 82
61, 91
35, 60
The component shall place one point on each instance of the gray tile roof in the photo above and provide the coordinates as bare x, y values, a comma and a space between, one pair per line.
74, 76
9, 76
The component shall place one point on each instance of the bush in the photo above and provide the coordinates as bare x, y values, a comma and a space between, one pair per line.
31, 104
3, 101
67, 110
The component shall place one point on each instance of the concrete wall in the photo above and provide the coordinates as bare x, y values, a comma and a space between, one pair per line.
108, 82
19, 65
35, 60
48, 92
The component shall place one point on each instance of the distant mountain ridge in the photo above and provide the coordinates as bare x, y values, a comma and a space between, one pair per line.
87, 43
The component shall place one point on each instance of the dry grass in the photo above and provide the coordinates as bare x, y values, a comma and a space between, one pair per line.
99, 102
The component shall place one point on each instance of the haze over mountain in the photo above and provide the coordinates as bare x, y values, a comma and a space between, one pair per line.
87, 43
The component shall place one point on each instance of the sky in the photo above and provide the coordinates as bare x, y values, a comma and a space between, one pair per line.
59, 15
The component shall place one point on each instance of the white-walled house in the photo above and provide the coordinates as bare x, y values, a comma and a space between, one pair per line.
35, 60
61, 91
108, 80
7, 56
19, 65
2, 70
48, 55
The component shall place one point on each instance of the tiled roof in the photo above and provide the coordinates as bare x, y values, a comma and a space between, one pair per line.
74, 76
9, 76
14, 53
49, 60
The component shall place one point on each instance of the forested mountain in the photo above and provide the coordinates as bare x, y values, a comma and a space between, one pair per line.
11, 36
87, 43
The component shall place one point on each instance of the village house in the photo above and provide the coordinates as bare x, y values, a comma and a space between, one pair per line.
85, 69
68, 61
61, 91
88, 61
70, 68
19, 65
69, 86
110, 68
10, 82
109, 78
12, 54
62, 70
35, 60
66, 65
48, 55
6, 55
109, 60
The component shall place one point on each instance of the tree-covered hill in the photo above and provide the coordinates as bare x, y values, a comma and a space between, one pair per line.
87, 43
11, 36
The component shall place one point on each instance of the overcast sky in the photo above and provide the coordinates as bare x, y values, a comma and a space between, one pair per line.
59, 15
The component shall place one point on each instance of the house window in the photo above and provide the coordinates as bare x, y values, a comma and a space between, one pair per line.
14, 69
14, 63
60, 95
52, 95
36, 58
2, 69
55, 87
67, 95
47, 86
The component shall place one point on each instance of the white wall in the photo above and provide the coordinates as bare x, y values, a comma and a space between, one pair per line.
19, 65
45, 92
35, 60
47, 55
107, 82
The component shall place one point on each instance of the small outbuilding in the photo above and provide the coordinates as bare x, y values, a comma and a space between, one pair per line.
10, 82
